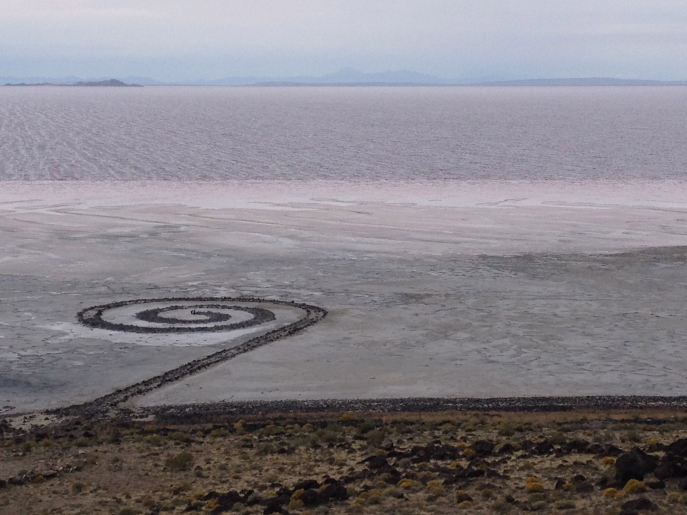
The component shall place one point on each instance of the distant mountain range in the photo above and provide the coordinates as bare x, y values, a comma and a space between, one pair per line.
344, 77
592, 81
109, 83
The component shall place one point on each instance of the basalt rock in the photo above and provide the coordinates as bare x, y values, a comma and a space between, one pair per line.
377, 462
335, 492
463, 497
578, 446
584, 487
527, 445
472, 473
678, 448
670, 470
483, 447
274, 508
634, 464
656, 485
311, 498
640, 504
306, 484
418, 454
604, 450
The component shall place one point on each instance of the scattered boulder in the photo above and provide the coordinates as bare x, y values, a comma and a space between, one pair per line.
483, 447
543, 448
584, 487
470, 472
335, 492
656, 485
639, 504
656, 447
274, 508
605, 450
634, 464
506, 448
307, 484
527, 445
491, 473
311, 498
377, 462
463, 497
578, 446
678, 448
669, 470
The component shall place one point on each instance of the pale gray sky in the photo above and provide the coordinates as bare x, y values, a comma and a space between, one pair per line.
463, 39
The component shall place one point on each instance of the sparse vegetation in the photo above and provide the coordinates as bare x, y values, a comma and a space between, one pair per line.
181, 461
330, 464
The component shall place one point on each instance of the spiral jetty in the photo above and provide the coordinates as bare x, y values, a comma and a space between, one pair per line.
92, 317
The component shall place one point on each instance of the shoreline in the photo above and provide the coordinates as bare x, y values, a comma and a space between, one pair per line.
419, 405
430, 294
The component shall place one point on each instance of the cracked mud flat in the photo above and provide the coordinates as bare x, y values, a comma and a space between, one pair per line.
451, 290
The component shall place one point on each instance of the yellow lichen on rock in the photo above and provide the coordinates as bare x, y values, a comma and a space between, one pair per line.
296, 504
612, 493
436, 486
674, 498
406, 483
533, 485
608, 460
634, 486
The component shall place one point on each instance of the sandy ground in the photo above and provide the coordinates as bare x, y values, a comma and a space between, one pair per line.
406, 464
434, 289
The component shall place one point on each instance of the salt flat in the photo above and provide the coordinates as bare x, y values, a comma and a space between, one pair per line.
460, 289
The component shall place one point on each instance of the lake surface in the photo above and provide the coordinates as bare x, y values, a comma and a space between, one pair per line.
361, 134
466, 242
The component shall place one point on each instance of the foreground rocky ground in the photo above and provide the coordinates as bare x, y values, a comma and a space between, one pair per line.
586, 463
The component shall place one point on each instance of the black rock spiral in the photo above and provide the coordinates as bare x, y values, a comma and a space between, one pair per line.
92, 317
199, 306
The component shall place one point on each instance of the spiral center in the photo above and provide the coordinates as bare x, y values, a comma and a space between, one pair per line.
154, 315
177, 315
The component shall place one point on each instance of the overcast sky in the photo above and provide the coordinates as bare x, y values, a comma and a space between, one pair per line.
463, 39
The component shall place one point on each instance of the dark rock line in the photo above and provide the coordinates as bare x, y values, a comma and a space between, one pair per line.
93, 317
100, 407
199, 412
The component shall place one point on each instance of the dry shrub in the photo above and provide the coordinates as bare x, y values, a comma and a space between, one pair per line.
376, 437
179, 462
634, 486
